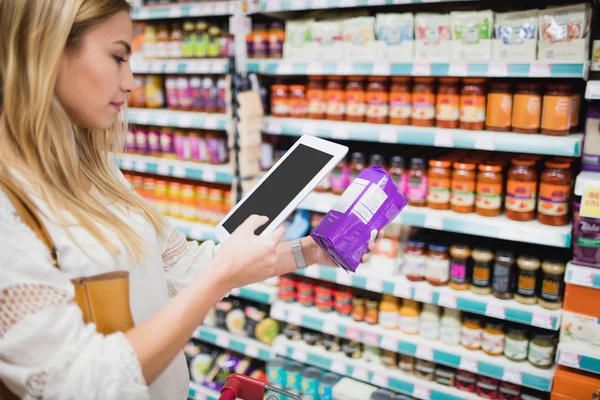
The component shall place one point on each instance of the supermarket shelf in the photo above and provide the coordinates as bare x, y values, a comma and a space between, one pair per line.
176, 168
198, 66
193, 230
247, 346
582, 276
536, 69
373, 373
465, 300
578, 357
416, 346
291, 5
199, 392
199, 9
470, 224
483, 140
259, 292
179, 119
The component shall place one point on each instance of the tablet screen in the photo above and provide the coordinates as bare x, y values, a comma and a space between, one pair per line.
281, 187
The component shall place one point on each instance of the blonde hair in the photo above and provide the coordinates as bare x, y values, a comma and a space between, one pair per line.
66, 164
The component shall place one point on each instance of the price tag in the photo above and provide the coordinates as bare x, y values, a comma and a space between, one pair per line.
171, 67
191, 66
330, 328
277, 311
139, 166
424, 352
403, 290
273, 5
236, 292
569, 359
540, 70
374, 285
209, 175
163, 168
421, 69
221, 8
499, 69
380, 380
468, 365
299, 355
421, 392
360, 374
443, 138
485, 141
381, 68
274, 126
542, 320
580, 276
217, 66
348, 3
309, 128
295, 318
200, 396
144, 13
126, 163
447, 300
458, 68
179, 171
163, 119
344, 68
343, 277
388, 135
319, 4
175, 12
423, 294
339, 367
142, 118
314, 68
433, 221
313, 272
202, 67
285, 68
280, 348
592, 90
402, 1
340, 131
512, 377
156, 67
185, 121
371, 338
298, 5
252, 351
211, 123
222, 341
495, 310
389, 343
199, 9
353, 333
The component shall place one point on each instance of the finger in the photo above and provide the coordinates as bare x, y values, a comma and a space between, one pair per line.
278, 234
365, 258
371, 246
253, 222
380, 235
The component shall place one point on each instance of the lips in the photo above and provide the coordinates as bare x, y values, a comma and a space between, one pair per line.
117, 106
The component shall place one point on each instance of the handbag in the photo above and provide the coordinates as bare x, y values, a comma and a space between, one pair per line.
103, 299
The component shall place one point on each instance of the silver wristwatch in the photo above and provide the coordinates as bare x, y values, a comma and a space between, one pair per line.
298, 256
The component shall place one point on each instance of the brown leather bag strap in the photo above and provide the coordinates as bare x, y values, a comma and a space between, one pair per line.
28, 214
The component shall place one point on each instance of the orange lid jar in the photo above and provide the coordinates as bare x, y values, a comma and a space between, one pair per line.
556, 111
355, 99
438, 193
335, 98
377, 98
499, 106
463, 187
315, 96
488, 197
555, 193
527, 108
298, 102
472, 104
423, 102
400, 101
447, 103
280, 106
521, 189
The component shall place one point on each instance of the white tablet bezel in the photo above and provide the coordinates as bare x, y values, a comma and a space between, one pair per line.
337, 151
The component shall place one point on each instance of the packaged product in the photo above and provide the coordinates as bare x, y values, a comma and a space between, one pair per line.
297, 33
471, 26
371, 202
393, 29
359, 31
562, 24
326, 33
432, 28
591, 143
516, 27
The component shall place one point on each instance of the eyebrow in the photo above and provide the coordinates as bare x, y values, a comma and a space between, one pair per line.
125, 44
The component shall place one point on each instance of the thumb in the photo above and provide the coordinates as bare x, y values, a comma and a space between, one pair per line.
252, 223
278, 234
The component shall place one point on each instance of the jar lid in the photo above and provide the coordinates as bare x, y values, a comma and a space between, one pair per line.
445, 372
544, 334
378, 78
465, 376
439, 163
530, 86
438, 247
449, 80
424, 79
316, 77
523, 162
417, 163
376, 159
400, 78
501, 84
464, 165
311, 372
297, 87
276, 25
504, 255
259, 26
397, 162
356, 78
529, 261
557, 165
474, 80
559, 86
494, 325
279, 86
472, 318
489, 167
336, 78
415, 243
516, 329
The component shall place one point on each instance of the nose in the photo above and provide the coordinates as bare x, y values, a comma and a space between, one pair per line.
128, 83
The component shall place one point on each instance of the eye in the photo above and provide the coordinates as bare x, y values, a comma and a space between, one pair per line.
119, 60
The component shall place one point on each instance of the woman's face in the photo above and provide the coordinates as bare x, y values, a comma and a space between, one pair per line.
93, 80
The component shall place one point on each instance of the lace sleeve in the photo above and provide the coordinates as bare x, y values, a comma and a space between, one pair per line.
46, 351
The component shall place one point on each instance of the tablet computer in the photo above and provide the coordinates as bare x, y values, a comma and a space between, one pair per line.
285, 185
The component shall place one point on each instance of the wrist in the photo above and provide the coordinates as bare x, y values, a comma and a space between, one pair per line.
309, 250
218, 276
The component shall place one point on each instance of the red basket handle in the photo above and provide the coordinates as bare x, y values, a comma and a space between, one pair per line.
246, 388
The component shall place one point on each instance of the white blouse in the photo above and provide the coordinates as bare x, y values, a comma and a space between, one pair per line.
46, 351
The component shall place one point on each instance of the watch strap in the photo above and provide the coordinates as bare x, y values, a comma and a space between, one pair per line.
298, 256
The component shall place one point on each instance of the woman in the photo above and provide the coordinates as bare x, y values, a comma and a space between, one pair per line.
65, 75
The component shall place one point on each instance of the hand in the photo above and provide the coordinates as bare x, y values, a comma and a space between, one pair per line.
246, 258
316, 255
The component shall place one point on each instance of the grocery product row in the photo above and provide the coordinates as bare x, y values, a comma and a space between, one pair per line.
185, 93
182, 119
176, 143
153, 10
460, 35
469, 104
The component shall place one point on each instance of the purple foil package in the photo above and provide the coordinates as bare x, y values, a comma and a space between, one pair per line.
370, 203
586, 238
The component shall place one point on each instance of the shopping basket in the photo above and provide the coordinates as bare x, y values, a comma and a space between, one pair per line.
243, 387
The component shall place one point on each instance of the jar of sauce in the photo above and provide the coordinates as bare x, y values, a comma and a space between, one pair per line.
437, 268
465, 381
521, 189
429, 322
400, 101
416, 189
527, 279
492, 338
516, 342
355, 99
555, 193
551, 294
358, 309
343, 296
556, 111
315, 95
438, 195
447, 103
340, 178
470, 333
297, 101
357, 166
503, 275
280, 106
406, 364
399, 173
481, 283
487, 388
527, 108
488, 198
408, 317
371, 312
377, 99
499, 107
472, 104
450, 325
276, 40
335, 98
509, 391
542, 349
414, 260
423, 102
463, 187
460, 278
388, 312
